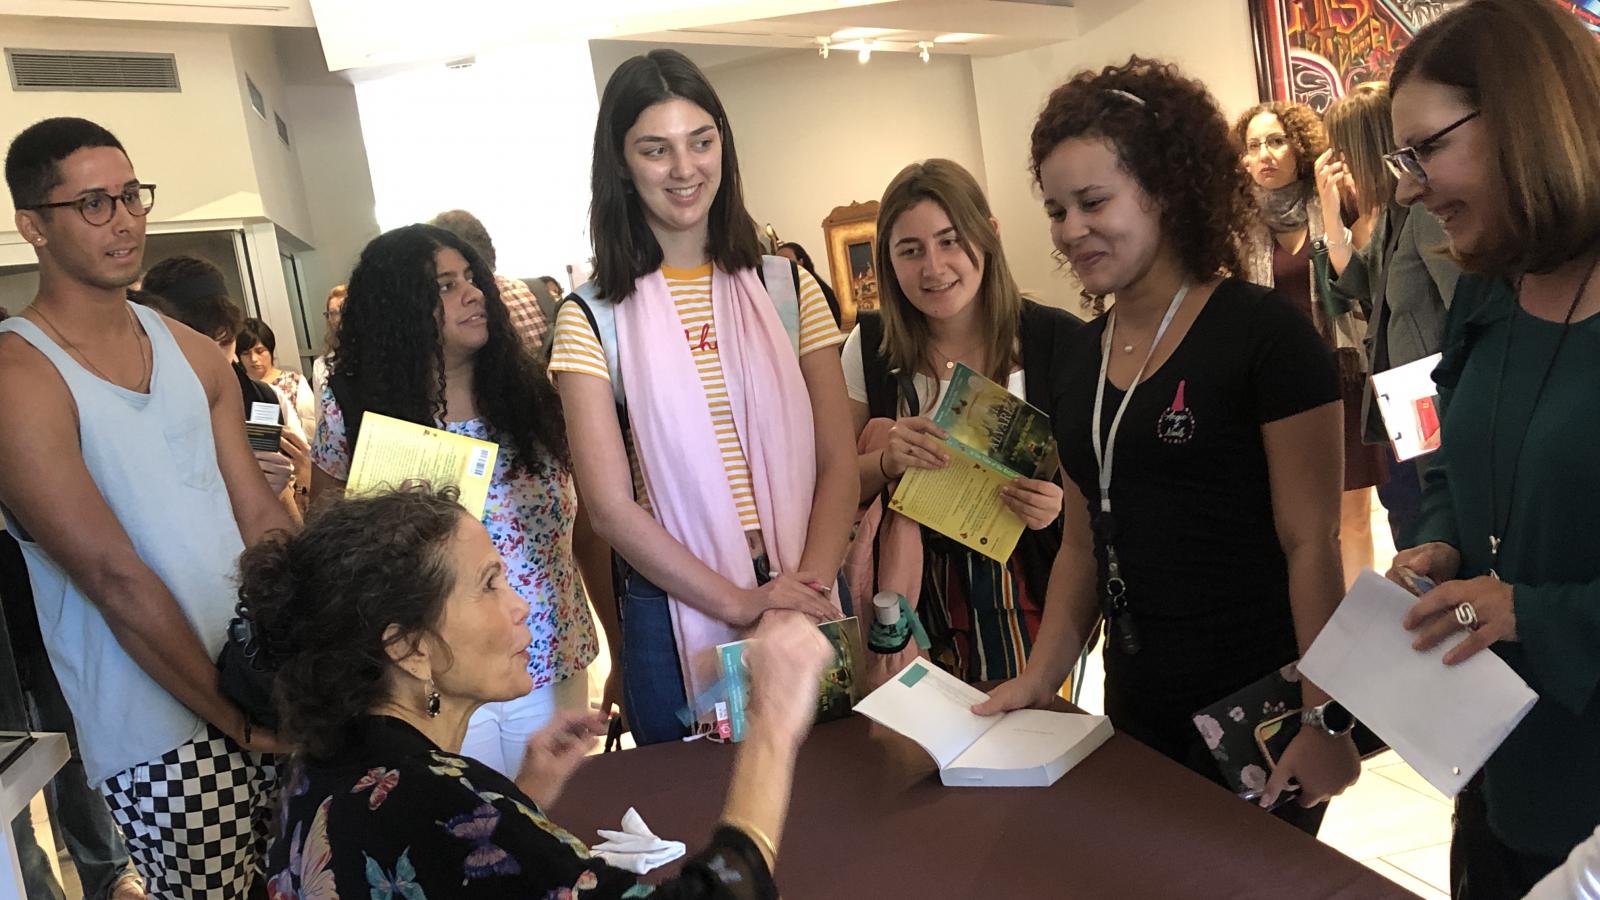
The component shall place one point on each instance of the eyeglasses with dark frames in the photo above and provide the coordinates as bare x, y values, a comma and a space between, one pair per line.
1407, 161
99, 207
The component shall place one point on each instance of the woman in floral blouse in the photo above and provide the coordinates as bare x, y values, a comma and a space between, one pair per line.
389, 620
426, 338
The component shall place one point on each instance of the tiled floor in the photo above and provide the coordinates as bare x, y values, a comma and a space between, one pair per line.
1391, 820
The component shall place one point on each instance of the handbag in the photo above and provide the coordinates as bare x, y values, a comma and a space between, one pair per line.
243, 673
1347, 329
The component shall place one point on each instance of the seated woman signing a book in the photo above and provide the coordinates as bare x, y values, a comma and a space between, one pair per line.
952, 306
388, 621
425, 338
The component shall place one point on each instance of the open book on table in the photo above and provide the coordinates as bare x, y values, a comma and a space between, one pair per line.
1021, 748
994, 437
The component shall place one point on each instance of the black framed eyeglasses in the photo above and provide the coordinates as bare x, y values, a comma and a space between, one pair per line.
99, 207
1407, 160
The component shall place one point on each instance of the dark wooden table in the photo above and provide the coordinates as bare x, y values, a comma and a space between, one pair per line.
870, 819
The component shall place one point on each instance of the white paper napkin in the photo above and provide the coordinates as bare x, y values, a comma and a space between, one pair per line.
635, 848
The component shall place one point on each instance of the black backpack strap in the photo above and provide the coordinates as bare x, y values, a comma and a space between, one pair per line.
351, 408
594, 327
883, 391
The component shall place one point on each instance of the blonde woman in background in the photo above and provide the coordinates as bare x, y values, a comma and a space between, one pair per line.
1394, 267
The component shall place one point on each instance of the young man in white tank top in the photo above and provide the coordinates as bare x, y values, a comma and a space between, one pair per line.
126, 476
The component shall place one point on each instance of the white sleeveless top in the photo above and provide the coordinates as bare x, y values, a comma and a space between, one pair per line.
154, 459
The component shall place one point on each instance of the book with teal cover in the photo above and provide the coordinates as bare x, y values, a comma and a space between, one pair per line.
837, 691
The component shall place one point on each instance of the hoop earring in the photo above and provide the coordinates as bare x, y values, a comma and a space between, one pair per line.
433, 701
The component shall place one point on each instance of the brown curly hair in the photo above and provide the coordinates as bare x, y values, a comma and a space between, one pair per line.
321, 600
1173, 139
1301, 125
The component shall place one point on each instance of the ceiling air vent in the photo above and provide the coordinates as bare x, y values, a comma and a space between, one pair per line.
85, 70
283, 128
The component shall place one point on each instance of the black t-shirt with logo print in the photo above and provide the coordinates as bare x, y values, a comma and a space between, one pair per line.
1206, 577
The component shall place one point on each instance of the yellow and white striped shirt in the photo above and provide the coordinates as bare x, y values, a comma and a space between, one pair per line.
576, 349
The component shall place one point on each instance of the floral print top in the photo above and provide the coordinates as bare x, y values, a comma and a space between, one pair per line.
529, 518
393, 816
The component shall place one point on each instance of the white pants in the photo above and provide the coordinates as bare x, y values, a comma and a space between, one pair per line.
498, 732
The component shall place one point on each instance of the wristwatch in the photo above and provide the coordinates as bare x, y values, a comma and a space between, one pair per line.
1330, 718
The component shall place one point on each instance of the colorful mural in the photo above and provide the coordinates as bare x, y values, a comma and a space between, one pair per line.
1315, 51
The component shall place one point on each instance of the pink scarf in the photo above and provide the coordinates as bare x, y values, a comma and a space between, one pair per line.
886, 552
678, 451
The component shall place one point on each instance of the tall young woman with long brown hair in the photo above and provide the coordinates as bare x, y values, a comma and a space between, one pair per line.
707, 419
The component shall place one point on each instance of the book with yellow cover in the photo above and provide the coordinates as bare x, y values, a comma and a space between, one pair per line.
391, 452
994, 437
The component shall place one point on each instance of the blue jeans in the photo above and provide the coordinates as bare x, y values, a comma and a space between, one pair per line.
652, 682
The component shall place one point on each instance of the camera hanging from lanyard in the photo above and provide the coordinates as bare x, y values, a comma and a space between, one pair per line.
1113, 590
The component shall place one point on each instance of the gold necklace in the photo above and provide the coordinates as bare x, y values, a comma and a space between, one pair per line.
144, 361
950, 363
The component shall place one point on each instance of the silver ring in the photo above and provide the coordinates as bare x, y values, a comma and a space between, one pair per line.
1467, 616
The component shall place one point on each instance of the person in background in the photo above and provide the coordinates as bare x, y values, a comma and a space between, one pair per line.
390, 622
330, 338
1397, 271
423, 342
794, 251
257, 350
132, 496
731, 491
526, 317
1281, 143
191, 291
952, 300
552, 287
1199, 424
1504, 147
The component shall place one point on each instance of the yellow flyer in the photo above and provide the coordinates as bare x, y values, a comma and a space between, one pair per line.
391, 452
994, 437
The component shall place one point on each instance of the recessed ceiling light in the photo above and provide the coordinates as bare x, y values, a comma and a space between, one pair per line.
959, 37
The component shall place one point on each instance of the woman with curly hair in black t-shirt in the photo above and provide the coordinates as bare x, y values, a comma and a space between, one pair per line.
1215, 501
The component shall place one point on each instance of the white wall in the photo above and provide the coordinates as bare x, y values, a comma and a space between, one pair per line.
814, 134
191, 144
1209, 39
507, 139
276, 166
325, 131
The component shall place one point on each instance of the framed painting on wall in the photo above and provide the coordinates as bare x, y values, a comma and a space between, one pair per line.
852, 236
1315, 51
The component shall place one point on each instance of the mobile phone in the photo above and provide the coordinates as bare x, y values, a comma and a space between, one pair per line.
263, 437
1273, 736
1416, 584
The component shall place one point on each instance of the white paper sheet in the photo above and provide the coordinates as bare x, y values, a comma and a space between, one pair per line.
1443, 720
1409, 404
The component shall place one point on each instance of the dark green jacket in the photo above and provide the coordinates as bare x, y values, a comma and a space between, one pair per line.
1543, 784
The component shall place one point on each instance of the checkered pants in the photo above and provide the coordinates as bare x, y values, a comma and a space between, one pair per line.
196, 821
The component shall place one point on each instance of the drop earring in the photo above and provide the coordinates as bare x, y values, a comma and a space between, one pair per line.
433, 700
